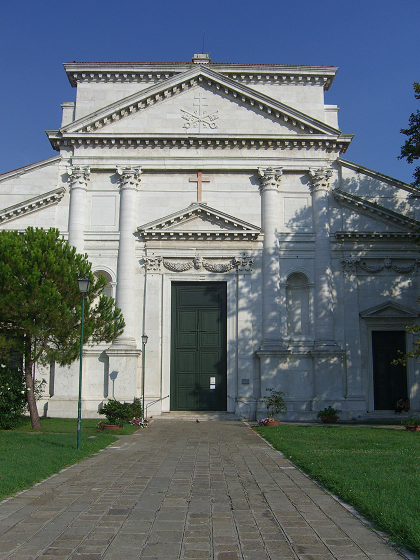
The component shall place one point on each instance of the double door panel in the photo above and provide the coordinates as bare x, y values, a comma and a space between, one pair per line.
198, 346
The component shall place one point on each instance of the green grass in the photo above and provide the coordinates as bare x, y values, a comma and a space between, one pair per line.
28, 456
375, 470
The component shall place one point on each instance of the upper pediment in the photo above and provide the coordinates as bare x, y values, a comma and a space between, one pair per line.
156, 109
198, 221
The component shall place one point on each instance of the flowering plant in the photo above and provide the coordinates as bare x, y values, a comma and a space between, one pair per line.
265, 421
140, 422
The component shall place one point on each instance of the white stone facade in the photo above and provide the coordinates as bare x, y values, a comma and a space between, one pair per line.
206, 172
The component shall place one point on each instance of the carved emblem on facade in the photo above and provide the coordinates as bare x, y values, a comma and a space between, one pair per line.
199, 118
152, 263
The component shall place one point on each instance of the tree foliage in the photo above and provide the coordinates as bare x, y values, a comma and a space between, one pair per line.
411, 149
40, 304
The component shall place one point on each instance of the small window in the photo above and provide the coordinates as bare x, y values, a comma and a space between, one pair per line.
107, 291
297, 298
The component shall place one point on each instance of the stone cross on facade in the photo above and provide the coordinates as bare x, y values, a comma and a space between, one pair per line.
199, 180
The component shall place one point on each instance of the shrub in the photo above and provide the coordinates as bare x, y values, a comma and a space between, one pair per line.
117, 412
12, 397
136, 408
329, 412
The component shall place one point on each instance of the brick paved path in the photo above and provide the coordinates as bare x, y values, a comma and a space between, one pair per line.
182, 490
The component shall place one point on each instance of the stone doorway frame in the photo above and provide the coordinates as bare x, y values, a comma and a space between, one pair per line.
231, 331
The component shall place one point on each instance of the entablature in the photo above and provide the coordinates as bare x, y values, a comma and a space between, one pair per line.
317, 142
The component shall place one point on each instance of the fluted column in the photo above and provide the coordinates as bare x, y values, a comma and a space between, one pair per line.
324, 319
79, 177
129, 181
270, 184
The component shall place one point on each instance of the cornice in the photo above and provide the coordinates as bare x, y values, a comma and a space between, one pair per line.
379, 176
328, 144
372, 208
27, 168
177, 84
31, 205
365, 235
153, 72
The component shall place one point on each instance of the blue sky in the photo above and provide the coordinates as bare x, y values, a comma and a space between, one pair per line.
374, 43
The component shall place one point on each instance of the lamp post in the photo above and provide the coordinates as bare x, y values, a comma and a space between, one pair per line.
144, 338
84, 285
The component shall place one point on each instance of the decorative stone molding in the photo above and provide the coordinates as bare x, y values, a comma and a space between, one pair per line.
243, 263
78, 176
129, 176
219, 142
146, 72
270, 178
31, 205
219, 267
178, 267
152, 263
385, 236
320, 178
350, 266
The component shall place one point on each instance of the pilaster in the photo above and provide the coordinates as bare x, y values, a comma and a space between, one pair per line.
324, 318
271, 323
352, 319
129, 181
79, 177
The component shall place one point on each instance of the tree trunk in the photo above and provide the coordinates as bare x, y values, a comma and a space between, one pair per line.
30, 395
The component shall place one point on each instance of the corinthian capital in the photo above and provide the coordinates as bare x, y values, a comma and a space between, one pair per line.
320, 178
79, 175
129, 176
270, 178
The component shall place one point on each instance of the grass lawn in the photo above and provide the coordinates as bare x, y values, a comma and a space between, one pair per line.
28, 456
374, 469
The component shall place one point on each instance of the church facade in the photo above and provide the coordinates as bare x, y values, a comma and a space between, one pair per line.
216, 201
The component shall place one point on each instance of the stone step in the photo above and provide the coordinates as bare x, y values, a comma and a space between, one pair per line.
201, 416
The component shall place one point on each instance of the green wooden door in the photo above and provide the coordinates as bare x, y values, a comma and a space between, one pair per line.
198, 350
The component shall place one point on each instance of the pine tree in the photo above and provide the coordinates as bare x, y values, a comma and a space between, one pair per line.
411, 148
40, 303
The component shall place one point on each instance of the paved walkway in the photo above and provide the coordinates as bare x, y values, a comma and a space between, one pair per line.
184, 490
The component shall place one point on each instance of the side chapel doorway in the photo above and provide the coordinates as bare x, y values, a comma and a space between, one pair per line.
389, 381
198, 346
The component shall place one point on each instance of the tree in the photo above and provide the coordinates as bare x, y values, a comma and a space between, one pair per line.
40, 303
411, 148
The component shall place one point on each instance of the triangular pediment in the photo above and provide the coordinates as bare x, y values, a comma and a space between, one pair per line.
389, 309
199, 221
277, 116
